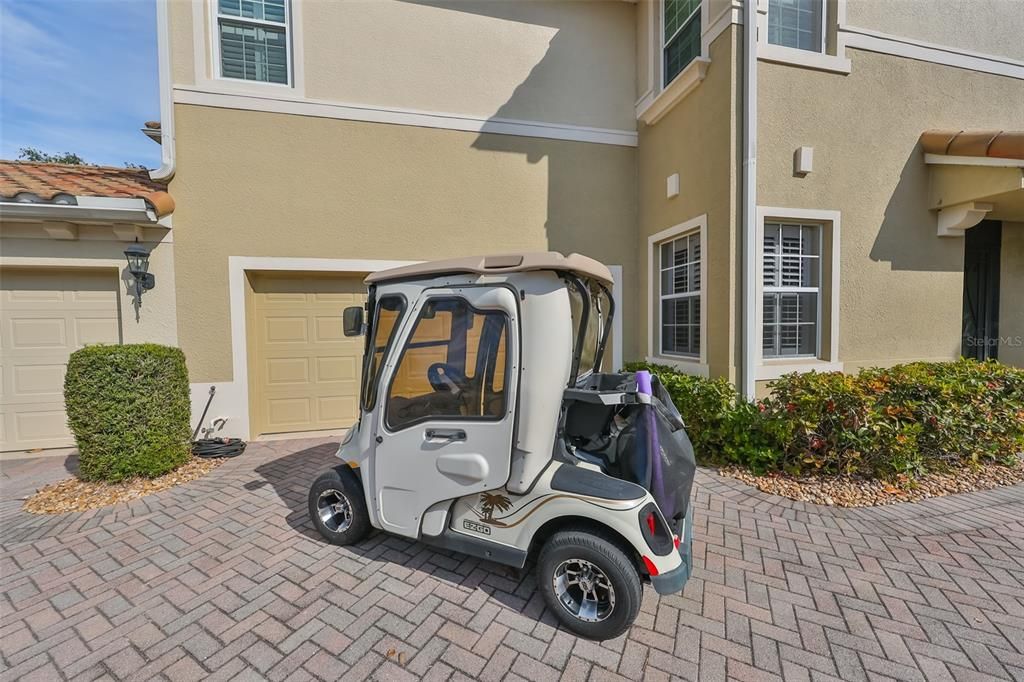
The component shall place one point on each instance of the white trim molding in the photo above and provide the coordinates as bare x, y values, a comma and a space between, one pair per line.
696, 366
617, 320
884, 43
995, 162
650, 112
772, 368
285, 103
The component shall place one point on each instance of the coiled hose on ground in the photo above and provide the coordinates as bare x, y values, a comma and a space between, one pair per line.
209, 448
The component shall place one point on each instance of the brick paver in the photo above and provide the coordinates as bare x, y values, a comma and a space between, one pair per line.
224, 578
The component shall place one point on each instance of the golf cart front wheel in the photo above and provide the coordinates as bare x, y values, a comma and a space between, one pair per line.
590, 584
337, 507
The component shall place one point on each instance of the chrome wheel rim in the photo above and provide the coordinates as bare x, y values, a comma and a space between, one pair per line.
584, 590
334, 510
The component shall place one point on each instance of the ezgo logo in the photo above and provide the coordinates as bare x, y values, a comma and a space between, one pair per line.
476, 527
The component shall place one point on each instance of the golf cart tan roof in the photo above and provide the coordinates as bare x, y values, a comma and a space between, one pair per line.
499, 264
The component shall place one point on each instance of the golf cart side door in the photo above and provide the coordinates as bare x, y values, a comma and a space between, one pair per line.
447, 403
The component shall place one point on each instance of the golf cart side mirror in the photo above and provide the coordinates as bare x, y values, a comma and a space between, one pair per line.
352, 320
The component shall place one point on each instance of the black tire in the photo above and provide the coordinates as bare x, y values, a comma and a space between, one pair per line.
339, 487
564, 548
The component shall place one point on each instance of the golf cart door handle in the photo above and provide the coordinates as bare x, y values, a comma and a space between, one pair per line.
450, 435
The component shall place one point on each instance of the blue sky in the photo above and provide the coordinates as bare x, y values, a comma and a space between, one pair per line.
79, 76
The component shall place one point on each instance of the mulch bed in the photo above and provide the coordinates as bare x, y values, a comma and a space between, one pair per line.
848, 491
76, 495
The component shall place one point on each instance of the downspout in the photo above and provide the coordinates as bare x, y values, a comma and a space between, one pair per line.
163, 50
749, 201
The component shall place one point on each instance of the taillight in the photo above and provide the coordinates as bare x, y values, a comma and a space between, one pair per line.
655, 531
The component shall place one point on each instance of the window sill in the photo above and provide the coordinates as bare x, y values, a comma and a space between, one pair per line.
805, 58
773, 369
693, 367
650, 111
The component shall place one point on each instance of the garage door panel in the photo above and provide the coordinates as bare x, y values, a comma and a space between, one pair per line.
285, 330
33, 333
45, 380
306, 371
330, 329
335, 408
287, 371
337, 369
96, 330
46, 314
287, 412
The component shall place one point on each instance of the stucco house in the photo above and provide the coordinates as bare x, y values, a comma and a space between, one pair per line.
64, 282
839, 188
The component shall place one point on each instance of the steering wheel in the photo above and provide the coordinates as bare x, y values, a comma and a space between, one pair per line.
445, 378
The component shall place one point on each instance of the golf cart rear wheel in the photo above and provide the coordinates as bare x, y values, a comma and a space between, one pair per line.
337, 507
589, 583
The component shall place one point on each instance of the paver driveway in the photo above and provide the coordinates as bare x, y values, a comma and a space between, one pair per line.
224, 578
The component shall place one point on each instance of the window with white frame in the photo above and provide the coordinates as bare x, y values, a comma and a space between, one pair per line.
797, 23
680, 36
679, 288
792, 289
253, 40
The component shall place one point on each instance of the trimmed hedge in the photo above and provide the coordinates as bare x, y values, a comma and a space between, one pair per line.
903, 421
128, 408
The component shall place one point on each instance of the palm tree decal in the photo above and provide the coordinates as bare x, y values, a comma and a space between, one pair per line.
491, 502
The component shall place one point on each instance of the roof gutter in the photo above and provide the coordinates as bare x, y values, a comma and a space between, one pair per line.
163, 48
749, 202
88, 210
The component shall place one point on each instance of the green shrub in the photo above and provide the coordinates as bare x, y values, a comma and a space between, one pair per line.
905, 420
128, 408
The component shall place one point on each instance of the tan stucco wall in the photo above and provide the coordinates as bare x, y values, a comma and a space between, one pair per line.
901, 285
696, 139
157, 319
987, 26
570, 62
325, 188
1011, 308
179, 16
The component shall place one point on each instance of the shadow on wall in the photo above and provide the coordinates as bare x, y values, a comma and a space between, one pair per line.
591, 188
907, 237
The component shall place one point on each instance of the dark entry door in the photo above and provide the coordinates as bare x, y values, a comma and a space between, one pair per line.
981, 290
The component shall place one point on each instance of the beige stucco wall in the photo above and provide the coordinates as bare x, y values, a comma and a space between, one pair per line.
990, 27
901, 285
568, 62
326, 188
21, 246
1011, 308
696, 139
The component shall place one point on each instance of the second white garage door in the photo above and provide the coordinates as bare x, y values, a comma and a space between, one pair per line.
45, 314
304, 370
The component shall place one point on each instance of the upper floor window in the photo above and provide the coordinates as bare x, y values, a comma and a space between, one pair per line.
253, 40
792, 289
797, 24
681, 36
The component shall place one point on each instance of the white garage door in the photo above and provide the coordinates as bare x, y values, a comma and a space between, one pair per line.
46, 314
304, 370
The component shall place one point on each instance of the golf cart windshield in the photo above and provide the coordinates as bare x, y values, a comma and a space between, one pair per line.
591, 306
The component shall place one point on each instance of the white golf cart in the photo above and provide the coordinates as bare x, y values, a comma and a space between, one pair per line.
486, 427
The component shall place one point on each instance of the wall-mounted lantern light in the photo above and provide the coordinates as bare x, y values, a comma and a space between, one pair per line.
138, 266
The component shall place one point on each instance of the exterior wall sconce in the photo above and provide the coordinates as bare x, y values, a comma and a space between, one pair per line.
138, 267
